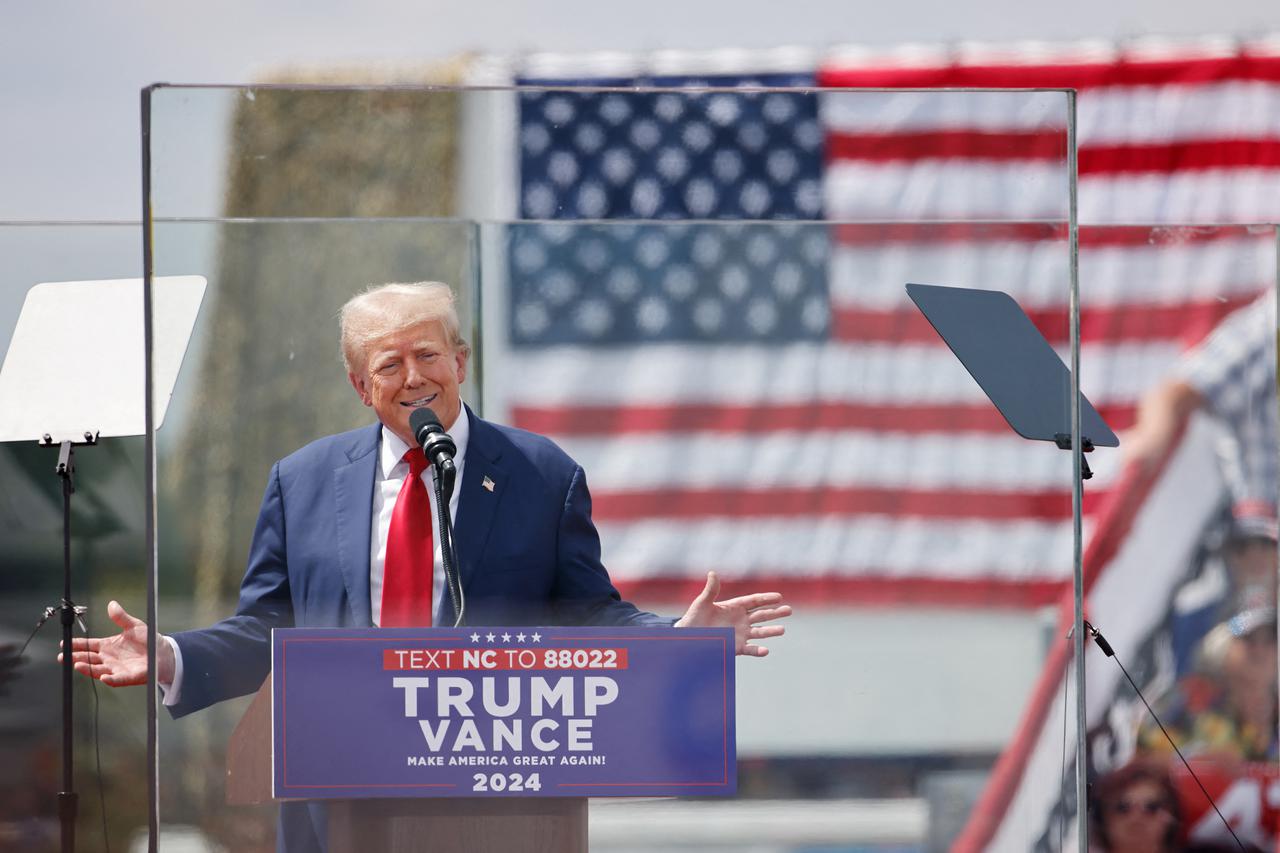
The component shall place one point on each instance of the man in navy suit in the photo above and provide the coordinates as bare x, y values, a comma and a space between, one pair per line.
527, 549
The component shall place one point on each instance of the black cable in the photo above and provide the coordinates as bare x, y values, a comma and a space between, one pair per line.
97, 756
48, 611
1111, 653
97, 753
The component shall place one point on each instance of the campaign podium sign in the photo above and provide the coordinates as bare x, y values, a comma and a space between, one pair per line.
496, 712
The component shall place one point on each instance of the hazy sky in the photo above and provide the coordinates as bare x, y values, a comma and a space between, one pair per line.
70, 72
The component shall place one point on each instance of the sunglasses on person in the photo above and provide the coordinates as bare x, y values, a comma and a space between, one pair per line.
1146, 807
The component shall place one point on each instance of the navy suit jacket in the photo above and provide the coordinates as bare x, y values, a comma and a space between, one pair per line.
527, 550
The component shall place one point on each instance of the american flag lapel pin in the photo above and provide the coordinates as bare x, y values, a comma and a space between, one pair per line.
488, 484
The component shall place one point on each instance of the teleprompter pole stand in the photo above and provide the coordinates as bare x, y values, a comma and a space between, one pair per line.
69, 614
1039, 397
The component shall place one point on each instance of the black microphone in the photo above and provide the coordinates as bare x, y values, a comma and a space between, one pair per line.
435, 442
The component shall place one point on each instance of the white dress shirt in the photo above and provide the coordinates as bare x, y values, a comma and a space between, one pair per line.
388, 480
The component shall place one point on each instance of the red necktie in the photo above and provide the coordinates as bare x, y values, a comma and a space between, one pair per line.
408, 568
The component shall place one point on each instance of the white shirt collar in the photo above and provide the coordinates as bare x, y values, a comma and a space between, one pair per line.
393, 448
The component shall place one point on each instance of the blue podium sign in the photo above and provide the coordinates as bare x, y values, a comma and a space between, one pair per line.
481, 712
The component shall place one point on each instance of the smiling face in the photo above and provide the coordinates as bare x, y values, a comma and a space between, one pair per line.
410, 368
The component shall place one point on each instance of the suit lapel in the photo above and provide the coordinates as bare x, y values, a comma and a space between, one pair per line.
483, 487
353, 519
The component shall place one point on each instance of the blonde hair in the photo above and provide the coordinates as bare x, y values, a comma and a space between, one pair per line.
381, 309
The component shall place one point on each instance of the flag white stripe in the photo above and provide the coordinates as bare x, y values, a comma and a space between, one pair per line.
1036, 274
898, 112
888, 546
1210, 195
821, 458
945, 189
1113, 115
858, 191
1141, 115
872, 374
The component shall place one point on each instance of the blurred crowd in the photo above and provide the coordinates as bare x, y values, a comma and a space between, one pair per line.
1221, 709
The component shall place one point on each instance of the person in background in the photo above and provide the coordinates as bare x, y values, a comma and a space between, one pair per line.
1231, 376
1227, 709
1134, 809
1241, 576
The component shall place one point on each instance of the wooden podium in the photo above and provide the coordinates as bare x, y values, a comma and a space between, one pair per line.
410, 825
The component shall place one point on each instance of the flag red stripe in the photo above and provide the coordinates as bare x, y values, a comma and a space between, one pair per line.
701, 417
1185, 71
880, 233
948, 145
814, 502
874, 589
1187, 322
1179, 156
1043, 146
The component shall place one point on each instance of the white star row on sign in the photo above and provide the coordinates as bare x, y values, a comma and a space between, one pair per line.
506, 637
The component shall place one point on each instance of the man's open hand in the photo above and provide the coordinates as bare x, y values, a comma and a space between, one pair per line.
120, 660
744, 614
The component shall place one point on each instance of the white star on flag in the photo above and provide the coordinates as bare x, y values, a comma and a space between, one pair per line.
489, 637
506, 638
475, 638
537, 638
520, 637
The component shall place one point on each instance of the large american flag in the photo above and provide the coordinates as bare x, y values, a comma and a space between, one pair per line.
763, 400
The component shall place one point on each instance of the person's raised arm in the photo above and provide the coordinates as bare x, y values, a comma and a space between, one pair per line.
744, 614
1160, 416
121, 660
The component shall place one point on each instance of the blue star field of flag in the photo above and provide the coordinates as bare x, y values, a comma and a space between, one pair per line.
612, 156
